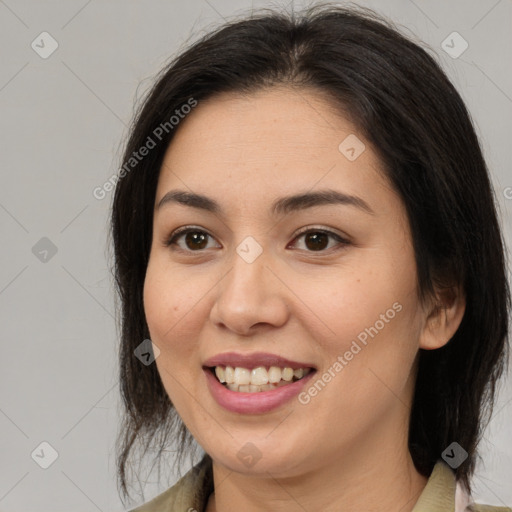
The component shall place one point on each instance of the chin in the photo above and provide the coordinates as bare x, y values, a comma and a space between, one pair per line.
249, 461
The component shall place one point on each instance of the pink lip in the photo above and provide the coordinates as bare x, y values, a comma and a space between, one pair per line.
253, 403
251, 361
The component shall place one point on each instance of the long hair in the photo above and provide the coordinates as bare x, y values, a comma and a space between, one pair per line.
399, 98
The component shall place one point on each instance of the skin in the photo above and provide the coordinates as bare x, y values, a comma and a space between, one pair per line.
347, 448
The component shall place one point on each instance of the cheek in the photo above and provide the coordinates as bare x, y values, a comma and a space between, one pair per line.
343, 304
374, 318
372, 305
167, 307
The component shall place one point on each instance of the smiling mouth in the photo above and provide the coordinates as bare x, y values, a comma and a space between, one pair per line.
259, 379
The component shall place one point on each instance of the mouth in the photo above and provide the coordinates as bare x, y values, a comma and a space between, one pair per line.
255, 380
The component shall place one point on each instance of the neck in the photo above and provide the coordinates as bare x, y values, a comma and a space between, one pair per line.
375, 478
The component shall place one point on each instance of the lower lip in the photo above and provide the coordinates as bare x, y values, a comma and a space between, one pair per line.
253, 403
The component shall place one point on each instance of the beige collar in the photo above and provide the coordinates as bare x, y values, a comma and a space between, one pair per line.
442, 492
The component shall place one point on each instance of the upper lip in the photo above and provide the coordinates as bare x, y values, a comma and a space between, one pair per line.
254, 360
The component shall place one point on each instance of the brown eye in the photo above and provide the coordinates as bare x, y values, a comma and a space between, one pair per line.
195, 239
318, 240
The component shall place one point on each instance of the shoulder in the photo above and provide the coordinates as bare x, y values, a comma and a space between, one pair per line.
444, 492
189, 493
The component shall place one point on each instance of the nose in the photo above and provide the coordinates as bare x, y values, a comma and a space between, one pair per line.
250, 297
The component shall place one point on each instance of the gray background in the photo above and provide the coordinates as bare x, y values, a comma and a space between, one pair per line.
62, 122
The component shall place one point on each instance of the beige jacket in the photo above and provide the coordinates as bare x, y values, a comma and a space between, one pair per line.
190, 494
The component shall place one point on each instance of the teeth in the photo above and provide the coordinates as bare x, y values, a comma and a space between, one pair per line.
287, 374
251, 388
274, 374
259, 376
257, 379
298, 373
229, 374
221, 374
242, 376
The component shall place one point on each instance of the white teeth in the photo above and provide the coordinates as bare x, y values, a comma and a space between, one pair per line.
257, 379
219, 371
259, 376
287, 374
242, 376
229, 374
251, 388
274, 374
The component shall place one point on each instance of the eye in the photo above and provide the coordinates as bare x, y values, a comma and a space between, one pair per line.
316, 240
195, 238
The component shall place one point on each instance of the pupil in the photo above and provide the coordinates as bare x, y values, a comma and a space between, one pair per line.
196, 237
316, 238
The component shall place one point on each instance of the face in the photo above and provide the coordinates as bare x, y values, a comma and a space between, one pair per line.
330, 286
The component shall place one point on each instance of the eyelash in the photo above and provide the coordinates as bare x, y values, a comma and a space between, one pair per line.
170, 241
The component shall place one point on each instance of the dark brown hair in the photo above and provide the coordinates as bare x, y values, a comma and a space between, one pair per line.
399, 98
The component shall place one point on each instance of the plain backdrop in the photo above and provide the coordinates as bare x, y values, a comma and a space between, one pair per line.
63, 118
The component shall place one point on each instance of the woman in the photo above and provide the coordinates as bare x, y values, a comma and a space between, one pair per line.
304, 227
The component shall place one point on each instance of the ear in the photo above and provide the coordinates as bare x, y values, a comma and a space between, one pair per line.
443, 318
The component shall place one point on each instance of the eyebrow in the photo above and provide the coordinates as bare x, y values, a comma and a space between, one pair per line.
281, 206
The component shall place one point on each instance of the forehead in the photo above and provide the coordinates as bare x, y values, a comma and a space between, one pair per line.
279, 122
274, 140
